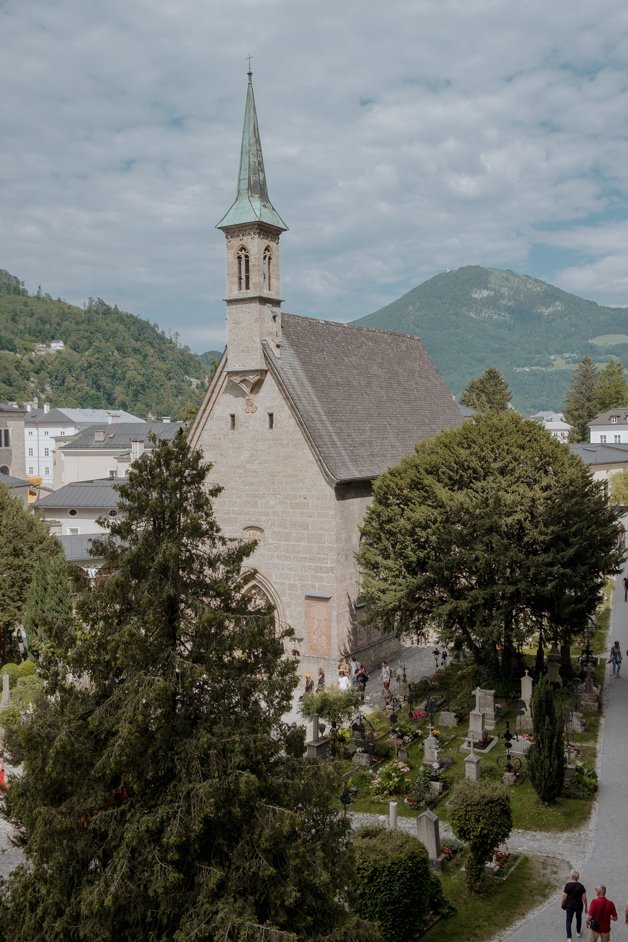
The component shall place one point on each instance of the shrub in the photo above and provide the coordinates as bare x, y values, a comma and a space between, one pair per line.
391, 779
584, 783
392, 885
480, 815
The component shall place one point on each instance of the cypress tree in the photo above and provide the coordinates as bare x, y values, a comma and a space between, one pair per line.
546, 759
160, 795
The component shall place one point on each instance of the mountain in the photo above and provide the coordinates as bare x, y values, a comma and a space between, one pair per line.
108, 359
531, 331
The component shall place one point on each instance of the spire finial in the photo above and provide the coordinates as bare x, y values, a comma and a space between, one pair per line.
249, 73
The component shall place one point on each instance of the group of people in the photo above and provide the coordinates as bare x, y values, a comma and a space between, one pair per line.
600, 912
352, 674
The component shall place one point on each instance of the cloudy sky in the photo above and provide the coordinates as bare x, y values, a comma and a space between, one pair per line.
401, 138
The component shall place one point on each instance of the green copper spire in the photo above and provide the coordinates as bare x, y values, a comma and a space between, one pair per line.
251, 203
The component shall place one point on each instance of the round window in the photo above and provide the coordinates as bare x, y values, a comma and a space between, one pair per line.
73, 512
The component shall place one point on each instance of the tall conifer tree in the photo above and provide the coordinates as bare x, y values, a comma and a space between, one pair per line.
159, 795
581, 404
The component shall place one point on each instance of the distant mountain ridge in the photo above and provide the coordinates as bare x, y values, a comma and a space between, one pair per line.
109, 359
531, 331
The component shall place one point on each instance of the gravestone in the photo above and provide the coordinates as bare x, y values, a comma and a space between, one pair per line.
578, 722
477, 733
427, 831
520, 746
447, 718
509, 779
361, 759
485, 703
430, 750
553, 666
472, 767
525, 718
317, 746
6, 690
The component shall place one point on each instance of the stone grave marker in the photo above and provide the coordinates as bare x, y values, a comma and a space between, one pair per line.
427, 831
430, 750
485, 703
472, 767
447, 718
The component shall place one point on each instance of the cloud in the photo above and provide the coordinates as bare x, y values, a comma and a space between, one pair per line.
399, 139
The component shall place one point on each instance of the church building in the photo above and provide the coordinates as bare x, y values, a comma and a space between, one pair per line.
301, 416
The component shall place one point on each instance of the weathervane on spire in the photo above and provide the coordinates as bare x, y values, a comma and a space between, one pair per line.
249, 73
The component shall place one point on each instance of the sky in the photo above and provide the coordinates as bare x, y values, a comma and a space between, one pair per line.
401, 139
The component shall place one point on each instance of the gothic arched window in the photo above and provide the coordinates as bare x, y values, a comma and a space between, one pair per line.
266, 267
243, 270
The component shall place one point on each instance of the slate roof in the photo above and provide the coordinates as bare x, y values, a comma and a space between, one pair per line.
63, 416
363, 397
119, 435
9, 481
598, 453
86, 495
604, 418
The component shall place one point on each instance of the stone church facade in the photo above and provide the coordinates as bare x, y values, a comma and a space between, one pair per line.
301, 416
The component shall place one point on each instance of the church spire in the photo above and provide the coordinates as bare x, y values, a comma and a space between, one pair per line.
251, 203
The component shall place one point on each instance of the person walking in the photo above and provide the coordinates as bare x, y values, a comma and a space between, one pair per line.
615, 658
574, 902
601, 913
320, 685
309, 684
343, 681
625, 583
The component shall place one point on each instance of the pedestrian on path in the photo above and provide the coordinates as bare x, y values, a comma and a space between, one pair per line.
625, 582
574, 902
601, 912
615, 658
386, 680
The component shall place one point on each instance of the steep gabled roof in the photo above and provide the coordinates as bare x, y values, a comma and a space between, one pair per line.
363, 397
604, 418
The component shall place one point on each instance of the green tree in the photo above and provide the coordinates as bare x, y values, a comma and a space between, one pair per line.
546, 759
25, 541
160, 797
480, 815
580, 403
392, 885
488, 532
48, 612
487, 392
612, 389
619, 487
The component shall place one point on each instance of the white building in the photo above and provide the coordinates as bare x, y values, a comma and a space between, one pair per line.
610, 428
554, 423
74, 509
42, 427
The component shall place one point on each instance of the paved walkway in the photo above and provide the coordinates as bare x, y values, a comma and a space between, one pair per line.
601, 854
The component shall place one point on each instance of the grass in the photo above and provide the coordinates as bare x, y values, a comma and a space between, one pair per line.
609, 340
479, 918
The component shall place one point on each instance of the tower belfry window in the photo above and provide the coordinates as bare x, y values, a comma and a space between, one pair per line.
266, 267
243, 270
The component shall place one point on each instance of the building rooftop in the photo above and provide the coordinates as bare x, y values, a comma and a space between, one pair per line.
92, 495
593, 453
119, 435
363, 397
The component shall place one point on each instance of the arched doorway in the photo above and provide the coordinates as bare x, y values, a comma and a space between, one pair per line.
263, 589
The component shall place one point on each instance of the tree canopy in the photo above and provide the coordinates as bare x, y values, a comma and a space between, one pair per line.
25, 541
488, 533
161, 797
611, 391
487, 392
581, 401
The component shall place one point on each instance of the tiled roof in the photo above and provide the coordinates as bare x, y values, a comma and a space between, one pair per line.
9, 481
95, 495
594, 453
363, 397
119, 435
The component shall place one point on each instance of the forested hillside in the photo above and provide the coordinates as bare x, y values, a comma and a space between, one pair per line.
532, 332
110, 359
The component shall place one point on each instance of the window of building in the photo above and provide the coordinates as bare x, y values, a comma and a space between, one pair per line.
617, 439
266, 267
232, 421
603, 439
271, 420
30, 431
6, 441
30, 452
46, 470
243, 270
613, 420
31, 470
46, 453
72, 512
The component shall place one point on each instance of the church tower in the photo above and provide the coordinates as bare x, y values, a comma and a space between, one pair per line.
252, 228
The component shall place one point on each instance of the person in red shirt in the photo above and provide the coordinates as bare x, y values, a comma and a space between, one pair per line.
603, 911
